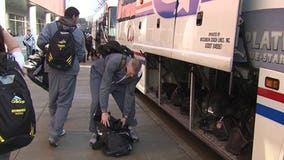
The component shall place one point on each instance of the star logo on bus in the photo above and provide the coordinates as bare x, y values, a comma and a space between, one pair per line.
183, 6
170, 8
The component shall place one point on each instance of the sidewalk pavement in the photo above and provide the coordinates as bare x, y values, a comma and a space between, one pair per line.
156, 141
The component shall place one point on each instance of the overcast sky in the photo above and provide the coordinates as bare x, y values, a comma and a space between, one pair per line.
86, 7
90, 7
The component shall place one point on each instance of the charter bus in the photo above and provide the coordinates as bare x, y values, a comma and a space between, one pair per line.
104, 28
216, 66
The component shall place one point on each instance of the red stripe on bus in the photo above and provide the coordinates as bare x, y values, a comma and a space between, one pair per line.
139, 54
144, 5
271, 94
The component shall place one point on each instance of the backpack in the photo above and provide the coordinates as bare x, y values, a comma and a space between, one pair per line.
114, 140
61, 50
17, 116
115, 47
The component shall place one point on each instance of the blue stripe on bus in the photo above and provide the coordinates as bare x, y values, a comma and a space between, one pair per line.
270, 113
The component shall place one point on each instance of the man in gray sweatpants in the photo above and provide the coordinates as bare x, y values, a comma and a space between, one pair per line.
107, 77
62, 83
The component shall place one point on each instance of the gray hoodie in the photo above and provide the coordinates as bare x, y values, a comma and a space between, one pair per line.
47, 33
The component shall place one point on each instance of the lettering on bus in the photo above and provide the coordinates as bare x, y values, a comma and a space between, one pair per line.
266, 46
214, 40
266, 40
267, 57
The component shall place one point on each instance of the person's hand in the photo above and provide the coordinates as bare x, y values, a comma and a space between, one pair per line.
123, 121
105, 119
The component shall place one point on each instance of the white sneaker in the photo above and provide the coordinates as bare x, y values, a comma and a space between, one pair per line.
63, 132
133, 134
93, 139
53, 142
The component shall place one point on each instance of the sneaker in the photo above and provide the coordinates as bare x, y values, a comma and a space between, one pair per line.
95, 143
63, 133
133, 134
93, 139
53, 142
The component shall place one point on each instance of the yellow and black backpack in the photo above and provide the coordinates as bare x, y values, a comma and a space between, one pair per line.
17, 116
61, 50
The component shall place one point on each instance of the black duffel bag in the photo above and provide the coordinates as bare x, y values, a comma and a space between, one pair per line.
114, 140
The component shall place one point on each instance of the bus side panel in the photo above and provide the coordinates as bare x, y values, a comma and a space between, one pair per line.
138, 37
121, 32
208, 37
269, 120
125, 16
141, 85
153, 30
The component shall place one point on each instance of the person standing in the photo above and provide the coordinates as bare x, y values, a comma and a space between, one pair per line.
110, 76
98, 39
15, 50
62, 83
29, 42
89, 45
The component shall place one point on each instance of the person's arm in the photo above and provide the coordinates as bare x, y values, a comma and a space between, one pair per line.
13, 48
10, 42
25, 39
33, 40
105, 86
129, 98
82, 49
110, 68
44, 37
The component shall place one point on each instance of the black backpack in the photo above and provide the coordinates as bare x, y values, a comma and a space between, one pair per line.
115, 47
17, 116
61, 50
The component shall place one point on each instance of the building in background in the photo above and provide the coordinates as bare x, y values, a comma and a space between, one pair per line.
20, 15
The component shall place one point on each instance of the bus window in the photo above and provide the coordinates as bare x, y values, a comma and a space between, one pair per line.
125, 2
